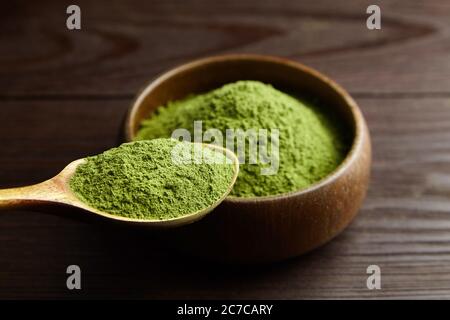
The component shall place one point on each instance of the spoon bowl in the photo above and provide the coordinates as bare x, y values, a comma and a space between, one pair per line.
56, 191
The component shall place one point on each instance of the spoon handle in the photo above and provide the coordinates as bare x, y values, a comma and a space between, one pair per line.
27, 196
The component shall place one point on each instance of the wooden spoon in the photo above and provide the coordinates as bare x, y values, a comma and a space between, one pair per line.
57, 191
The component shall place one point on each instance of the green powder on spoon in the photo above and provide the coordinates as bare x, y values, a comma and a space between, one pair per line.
311, 143
141, 180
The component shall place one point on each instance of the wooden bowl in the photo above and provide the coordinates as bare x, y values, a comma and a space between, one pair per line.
265, 229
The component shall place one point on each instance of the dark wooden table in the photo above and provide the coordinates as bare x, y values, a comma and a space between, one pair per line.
64, 94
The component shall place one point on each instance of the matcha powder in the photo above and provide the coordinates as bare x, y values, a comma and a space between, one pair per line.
140, 180
311, 145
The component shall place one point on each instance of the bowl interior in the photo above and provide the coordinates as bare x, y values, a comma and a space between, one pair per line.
288, 76
207, 74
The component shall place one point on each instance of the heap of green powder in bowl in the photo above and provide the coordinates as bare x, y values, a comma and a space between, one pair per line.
311, 143
141, 180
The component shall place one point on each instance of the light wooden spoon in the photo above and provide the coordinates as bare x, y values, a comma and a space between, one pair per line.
57, 191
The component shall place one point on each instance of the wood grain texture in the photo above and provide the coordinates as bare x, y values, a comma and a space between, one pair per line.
123, 45
64, 96
404, 225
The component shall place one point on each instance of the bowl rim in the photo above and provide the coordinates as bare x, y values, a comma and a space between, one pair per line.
357, 117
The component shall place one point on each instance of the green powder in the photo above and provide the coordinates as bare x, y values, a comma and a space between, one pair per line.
311, 145
140, 180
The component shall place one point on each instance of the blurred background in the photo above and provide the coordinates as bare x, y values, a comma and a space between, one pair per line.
64, 94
